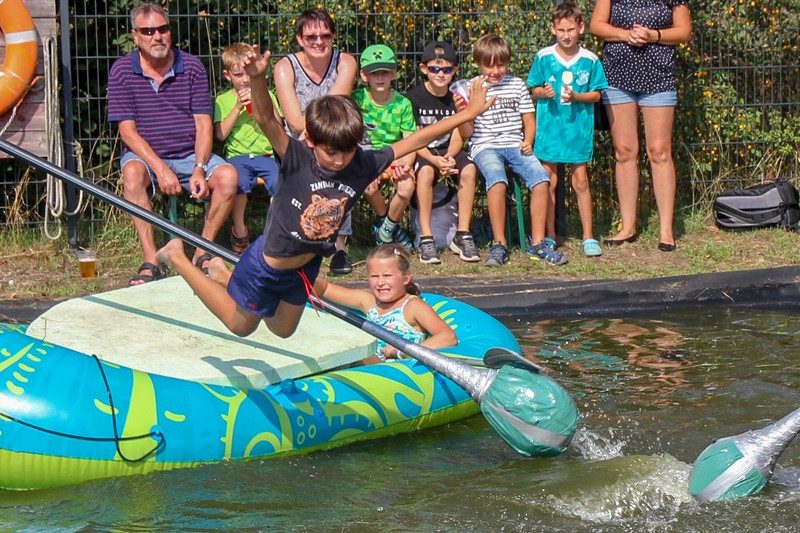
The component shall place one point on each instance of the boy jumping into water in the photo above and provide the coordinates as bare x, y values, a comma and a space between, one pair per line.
320, 180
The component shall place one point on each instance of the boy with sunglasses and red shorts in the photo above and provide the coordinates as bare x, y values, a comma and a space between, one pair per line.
444, 156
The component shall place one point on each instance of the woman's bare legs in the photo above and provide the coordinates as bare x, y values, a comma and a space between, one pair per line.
624, 120
658, 123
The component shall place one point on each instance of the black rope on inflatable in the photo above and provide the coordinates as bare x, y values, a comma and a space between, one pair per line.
156, 435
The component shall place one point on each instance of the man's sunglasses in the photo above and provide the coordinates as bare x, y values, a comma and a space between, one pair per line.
437, 70
150, 31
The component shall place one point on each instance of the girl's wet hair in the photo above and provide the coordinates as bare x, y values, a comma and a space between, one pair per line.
396, 251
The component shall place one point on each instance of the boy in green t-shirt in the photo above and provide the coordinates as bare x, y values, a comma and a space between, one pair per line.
246, 146
388, 117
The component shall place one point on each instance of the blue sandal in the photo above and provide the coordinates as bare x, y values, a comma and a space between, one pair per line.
591, 248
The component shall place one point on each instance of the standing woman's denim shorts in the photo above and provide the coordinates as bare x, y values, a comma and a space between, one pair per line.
613, 96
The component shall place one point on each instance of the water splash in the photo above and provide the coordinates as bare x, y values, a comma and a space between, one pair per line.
595, 447
623, 488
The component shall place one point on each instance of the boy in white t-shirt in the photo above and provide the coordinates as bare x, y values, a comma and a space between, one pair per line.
503, 135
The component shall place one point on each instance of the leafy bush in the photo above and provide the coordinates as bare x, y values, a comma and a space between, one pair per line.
738, 120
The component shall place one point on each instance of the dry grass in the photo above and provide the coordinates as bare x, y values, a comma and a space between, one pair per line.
32, 268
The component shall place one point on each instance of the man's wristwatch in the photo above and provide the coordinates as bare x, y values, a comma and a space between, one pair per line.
202, 166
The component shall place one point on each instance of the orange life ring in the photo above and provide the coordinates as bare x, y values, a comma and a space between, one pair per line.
22, 45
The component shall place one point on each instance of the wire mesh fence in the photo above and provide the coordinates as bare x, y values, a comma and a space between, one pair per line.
738, 118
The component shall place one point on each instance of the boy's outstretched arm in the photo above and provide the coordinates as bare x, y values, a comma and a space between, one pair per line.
255, 66
477, 105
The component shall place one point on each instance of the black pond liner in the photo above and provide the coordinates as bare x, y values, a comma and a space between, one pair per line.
773, 288
770, 288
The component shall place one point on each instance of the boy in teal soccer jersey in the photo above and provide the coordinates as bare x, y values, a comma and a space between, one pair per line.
388, 117
246, 146
567, 80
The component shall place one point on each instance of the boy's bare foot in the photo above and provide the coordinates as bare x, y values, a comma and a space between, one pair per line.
218, 271
166, 255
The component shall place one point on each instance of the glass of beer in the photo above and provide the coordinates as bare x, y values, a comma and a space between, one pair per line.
87, 261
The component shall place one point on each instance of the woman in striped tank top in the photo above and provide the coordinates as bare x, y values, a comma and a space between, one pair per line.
316, 70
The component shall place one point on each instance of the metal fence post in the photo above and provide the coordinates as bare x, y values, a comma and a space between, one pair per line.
69, 135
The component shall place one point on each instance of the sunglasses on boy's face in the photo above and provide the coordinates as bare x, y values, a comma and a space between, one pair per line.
437, 70
150, 31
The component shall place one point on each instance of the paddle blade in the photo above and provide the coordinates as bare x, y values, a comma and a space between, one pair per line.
722, 472
533, 413
497, 357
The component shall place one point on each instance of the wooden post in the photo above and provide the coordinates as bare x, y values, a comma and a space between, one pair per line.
27, 129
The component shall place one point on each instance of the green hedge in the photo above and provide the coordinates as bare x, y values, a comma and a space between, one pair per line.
738, 119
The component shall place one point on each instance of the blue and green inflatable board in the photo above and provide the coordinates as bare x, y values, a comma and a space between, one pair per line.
143, 379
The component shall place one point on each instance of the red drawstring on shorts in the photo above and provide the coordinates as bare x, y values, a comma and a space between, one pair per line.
309, 287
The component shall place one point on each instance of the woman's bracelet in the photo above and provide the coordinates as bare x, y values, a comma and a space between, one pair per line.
658, 36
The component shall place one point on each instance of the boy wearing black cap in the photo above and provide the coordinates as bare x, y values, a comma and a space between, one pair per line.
433, 101
388, 117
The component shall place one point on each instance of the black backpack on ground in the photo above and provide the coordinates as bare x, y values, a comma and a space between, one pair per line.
759, 206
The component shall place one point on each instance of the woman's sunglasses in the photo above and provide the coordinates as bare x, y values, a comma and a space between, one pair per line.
150, 31
437, 70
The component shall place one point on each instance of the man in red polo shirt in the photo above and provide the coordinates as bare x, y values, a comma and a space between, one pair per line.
159, 97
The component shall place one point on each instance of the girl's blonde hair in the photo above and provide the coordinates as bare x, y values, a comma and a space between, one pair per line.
396, 251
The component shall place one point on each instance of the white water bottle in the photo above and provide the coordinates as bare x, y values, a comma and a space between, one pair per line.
566, 81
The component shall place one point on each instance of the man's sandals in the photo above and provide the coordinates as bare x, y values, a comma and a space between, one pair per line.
155, 274
239, 244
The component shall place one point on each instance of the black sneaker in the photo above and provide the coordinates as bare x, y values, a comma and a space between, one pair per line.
464, 245
427, 251
341, 263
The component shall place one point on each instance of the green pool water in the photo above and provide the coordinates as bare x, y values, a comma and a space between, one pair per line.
653, 394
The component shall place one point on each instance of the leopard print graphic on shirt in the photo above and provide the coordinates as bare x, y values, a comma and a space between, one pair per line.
323, 217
